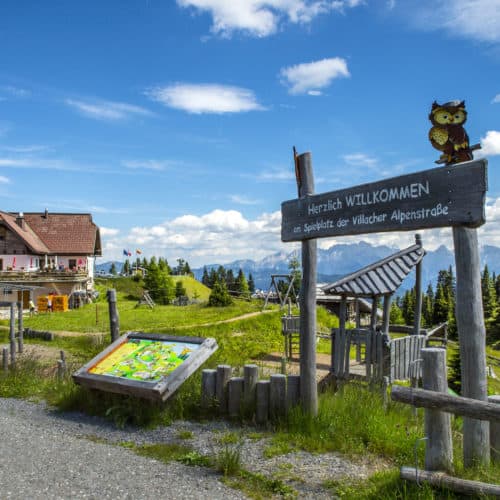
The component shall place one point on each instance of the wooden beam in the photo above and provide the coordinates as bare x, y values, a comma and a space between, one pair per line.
442, 480
308, 385
467, 407
472, 341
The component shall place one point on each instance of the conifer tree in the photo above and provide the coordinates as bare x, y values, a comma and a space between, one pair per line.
242, 285
219, 297
205, 279
251, 283
395, 315
126, 267
112, 269
159, 283
408, 306
489, 295
180, 290
428, 306
230, 281
212, 278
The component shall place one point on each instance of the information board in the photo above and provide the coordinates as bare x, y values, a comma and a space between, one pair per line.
443, 196
152, 366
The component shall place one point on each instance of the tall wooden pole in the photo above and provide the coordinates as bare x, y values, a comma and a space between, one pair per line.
472, 340
418, 291
308, 385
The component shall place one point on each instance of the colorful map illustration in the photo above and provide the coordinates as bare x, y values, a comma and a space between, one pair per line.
145, 360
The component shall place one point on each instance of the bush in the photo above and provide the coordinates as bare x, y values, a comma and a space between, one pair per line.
220, 296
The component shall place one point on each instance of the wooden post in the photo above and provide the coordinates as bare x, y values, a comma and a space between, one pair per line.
208, 377
472, 341
358, 326
277, 395
308, 385
418, 291
262, 401
114, 320
439, 449
234, 396
292, 391
12, 334
250, 376
60, 369
5, 359
222, 378
495, 433
20, 345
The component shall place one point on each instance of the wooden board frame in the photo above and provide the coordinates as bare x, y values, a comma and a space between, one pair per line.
159, 390
439, 197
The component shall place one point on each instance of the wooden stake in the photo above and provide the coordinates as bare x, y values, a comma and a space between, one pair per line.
20, 345
495, 433
308, 385
114, 320
208, 377
439, 448
472, 340
12, 334
418, 291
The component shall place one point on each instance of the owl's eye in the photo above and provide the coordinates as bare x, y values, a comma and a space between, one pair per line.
457, 117
445, 117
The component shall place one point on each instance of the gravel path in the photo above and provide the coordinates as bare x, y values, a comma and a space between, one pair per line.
49, 455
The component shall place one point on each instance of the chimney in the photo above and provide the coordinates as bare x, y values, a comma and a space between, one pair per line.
20, 220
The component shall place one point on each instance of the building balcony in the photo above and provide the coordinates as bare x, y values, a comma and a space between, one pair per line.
51, 275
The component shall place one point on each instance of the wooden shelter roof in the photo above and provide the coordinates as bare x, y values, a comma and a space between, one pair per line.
380, 278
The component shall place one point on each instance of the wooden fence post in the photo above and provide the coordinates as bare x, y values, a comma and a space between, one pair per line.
439, 449
222, 378
208, 377
308, 384
277, 395
472, 341
495, 433
12, 334
234, 396
20, 327
262, 401
292, 391
250, 376
114, 320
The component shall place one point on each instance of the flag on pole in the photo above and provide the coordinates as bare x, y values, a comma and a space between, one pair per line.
14, 263
138, 252
127, 253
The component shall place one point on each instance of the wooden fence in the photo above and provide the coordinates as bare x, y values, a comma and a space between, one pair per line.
397, 359
247, 396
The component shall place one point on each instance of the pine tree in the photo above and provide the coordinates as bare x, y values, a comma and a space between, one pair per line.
180, 290
489, 295
408, 307
212, 278
187, 269
242, 285
230, 281
428, 306
205, 279
112, 269
395, 315
219, 297
440, 313
251, 283
221, 274
159, 283
126, 268
295, 271
163, 265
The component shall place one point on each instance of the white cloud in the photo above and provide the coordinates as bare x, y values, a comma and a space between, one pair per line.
218, 236
205, 98
262, 18
276, 174
360, 160
108, 231
107, 110
496, 99
490, 144
310, 77
4, 180
17, 92
243, 200
475, 19
157, 165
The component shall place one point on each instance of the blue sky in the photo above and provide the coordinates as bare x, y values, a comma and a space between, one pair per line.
173, 122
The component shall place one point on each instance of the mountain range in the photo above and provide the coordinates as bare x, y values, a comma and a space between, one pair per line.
342, 259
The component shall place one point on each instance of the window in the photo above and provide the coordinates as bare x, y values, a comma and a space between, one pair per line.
72, 263
3, 233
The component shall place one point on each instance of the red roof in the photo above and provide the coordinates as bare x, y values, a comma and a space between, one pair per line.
57, 233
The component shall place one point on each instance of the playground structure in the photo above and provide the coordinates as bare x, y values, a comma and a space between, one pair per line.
274, 290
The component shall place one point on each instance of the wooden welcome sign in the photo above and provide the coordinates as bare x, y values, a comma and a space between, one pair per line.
440, 197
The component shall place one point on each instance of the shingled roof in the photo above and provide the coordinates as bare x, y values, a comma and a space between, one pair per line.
57, 233
381, 278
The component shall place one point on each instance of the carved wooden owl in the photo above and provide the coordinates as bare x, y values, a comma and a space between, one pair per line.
448, 134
